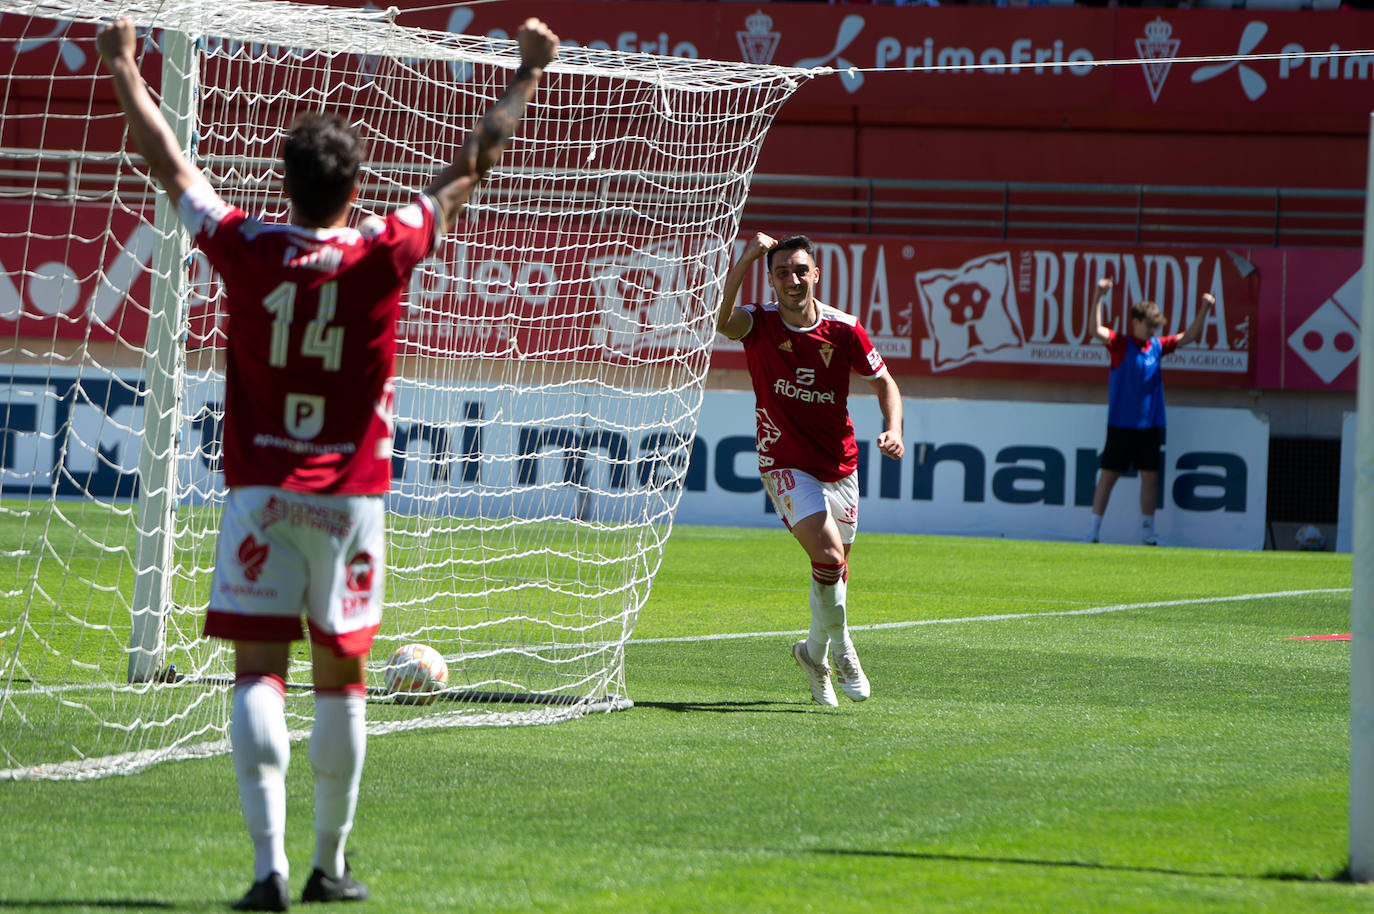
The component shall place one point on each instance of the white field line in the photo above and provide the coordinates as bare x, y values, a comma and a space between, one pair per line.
1006, 617
735, 636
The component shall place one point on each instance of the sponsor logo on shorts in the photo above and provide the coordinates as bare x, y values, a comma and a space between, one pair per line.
246, 590
252, 556
360, 571
359, 579
279, 510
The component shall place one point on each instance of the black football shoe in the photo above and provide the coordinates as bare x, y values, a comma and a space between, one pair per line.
269, 894
320, 887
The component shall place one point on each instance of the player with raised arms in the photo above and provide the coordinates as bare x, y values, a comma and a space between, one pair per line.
312, 308
1135, 403
800, 353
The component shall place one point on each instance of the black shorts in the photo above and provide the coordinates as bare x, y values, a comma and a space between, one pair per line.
1132, 447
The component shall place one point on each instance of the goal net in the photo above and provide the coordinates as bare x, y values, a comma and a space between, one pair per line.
551, 367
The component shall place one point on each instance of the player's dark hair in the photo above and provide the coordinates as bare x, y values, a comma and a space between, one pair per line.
321, 156
793, 243
1148, 312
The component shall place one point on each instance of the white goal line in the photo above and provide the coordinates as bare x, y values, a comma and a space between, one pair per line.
1006, 617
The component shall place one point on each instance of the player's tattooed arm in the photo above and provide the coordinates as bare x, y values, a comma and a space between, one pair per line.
152, 137
452, 187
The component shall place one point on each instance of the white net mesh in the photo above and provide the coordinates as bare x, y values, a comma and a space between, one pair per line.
551, 368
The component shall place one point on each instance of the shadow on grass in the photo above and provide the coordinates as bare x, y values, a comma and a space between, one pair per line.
1341, 877
133, 904
727, 707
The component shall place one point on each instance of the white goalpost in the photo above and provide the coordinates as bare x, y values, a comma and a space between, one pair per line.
552, 357
1362, 572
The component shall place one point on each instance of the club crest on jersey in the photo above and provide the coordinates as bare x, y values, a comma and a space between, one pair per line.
252, 555
827, 353
785, 345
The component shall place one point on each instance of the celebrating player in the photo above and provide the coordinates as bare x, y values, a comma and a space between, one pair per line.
800, 353
1135, 403
312, 309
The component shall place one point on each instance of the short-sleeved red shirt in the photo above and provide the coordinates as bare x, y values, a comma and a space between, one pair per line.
311, 342
801, 389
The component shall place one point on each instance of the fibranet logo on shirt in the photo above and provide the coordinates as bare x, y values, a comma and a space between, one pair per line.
785, 388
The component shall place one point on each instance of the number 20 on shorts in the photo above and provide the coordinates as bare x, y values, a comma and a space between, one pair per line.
783, 481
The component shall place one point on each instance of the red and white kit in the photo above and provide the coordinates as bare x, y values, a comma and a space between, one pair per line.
309, 397
797, 494
311, 343
801, 389
325, 554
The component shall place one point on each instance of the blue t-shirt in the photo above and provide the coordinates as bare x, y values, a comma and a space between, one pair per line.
1135, 395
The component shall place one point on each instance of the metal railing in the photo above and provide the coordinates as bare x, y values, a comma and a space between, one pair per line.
1019, 210
1006, 210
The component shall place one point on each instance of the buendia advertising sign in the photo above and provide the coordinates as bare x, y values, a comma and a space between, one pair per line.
974, 310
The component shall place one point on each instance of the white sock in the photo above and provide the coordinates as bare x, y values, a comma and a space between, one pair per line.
261, 751
828, 594
1095, 528
1147, 522
338, 745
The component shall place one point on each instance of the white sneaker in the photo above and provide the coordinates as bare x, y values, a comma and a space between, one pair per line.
1089, 538
850, 675
822, 692
1148, 538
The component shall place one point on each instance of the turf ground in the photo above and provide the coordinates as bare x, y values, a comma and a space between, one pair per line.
1054, 727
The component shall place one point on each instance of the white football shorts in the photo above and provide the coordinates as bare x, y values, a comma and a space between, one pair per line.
284, 554
796, 495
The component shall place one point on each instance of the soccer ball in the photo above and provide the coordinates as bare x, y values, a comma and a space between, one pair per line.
415, 674
1310, 538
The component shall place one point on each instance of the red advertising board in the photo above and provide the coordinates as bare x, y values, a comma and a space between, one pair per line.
633, 302
1309, 327
1089, 95
72, 276
1285, 319
1024, 311
985, 58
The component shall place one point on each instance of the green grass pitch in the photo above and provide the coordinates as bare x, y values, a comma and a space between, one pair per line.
1054, 728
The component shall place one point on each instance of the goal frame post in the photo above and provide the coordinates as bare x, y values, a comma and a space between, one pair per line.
165, 377
1362, 572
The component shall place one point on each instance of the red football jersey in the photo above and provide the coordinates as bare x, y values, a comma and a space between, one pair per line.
801, 389
311, 342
